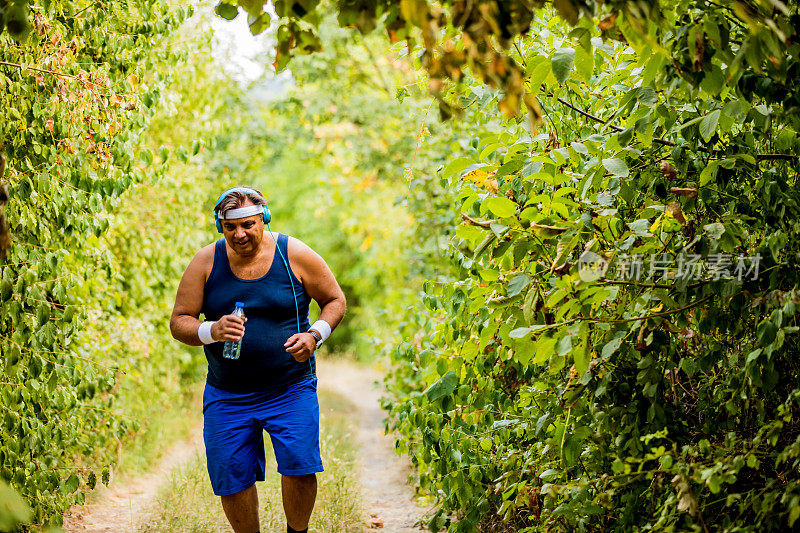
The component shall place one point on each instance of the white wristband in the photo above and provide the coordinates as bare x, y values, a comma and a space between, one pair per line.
204, 332
323, 328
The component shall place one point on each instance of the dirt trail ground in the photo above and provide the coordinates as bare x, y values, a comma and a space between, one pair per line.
122, 506
386, 497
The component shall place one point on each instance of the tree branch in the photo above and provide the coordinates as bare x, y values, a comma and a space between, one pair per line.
480, 223
487, 223
774, 157
615, 127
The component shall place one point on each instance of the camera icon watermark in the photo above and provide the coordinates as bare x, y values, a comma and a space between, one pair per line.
592, 266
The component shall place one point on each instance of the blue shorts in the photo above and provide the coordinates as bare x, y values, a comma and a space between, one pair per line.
233, 432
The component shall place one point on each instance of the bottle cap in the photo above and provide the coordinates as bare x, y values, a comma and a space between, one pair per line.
239, 304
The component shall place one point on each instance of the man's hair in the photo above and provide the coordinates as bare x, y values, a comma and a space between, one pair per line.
237, 199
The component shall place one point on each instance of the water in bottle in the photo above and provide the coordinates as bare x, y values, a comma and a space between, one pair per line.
233, 349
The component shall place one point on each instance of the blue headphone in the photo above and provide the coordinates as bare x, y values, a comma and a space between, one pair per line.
266, 216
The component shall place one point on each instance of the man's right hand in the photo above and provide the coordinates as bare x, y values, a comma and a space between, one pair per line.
228, 328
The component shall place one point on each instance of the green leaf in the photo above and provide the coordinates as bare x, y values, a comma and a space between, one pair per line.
612, 346
581, 357
617, 167
549, 474
794, 513
510, 167
517, 283
71, 484
571, 450
562, 62
226, 11
444, 386
529, 306
640, 227
5, 290
13, 509
713, 483
715, 230
709, 125
709, 173
766, 332
42, 314
455, 166
498, 229
500, 206
564, 345
540, 72
521, 332
584, 63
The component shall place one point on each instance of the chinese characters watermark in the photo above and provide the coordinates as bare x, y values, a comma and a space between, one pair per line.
666, 267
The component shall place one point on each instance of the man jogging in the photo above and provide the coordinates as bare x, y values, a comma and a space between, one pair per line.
272, 385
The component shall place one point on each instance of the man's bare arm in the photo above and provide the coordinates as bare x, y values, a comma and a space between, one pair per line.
185, 320
319, 282
321, 285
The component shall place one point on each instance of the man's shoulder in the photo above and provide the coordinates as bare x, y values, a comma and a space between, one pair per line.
297, 247
206, 252
208, 248
204, 257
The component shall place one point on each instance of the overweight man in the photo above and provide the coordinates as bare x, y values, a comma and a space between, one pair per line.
272, 385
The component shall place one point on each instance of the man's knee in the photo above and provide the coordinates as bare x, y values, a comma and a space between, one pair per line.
242, 495
303, 479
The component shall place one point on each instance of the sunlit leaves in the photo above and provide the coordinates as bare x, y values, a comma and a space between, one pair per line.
72, 137
650, 158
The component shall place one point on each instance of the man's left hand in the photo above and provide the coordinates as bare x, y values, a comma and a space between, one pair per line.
301, 346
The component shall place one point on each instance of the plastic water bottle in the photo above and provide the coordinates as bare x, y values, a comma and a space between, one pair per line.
233, 349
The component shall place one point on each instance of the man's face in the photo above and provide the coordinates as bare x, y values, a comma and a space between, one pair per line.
244, 234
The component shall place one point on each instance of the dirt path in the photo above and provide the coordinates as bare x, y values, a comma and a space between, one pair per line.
123, 507
386, 497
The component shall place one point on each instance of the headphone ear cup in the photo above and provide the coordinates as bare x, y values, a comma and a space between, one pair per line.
267, 215
217, 222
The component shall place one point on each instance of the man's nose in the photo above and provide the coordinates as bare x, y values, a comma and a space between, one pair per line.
239, 232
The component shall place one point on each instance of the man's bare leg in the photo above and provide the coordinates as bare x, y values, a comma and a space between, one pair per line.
242, 510
299, 494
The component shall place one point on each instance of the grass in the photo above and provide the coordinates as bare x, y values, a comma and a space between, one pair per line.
187, 505
161, 427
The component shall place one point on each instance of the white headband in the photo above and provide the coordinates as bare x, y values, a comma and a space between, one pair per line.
242, 212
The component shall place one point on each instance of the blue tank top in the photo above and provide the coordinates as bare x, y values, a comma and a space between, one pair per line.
269, 306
